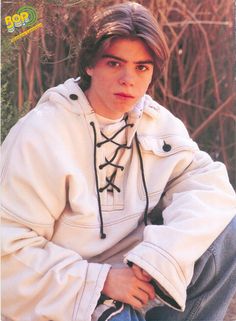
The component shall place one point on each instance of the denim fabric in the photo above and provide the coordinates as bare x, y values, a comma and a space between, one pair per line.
128, 314
213, 284
211, 289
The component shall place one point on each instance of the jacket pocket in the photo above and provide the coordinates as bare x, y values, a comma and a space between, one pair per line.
164, 158
168, 145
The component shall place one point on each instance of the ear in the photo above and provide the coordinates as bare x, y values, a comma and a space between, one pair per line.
89, 71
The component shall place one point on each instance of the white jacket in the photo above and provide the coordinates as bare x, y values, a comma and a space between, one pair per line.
54, 262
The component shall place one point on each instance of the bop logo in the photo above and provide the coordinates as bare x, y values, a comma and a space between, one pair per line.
25, 16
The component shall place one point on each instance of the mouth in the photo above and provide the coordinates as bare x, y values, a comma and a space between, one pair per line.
124, 95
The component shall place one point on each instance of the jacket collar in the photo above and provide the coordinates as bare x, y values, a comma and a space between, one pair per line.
71, 97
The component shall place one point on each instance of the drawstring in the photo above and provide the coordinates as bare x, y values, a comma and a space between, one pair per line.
102, 234
143, 178
112, 137
110, 181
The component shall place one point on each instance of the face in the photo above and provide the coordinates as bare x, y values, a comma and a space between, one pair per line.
120, 78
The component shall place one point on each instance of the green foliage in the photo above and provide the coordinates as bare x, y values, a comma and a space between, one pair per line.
9, 88
9, 113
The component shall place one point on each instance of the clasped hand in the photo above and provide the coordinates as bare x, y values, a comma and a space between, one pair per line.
129, 285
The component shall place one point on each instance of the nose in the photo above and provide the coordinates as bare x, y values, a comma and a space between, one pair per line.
127, 77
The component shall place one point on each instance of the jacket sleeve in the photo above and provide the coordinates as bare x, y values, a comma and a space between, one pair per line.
197, 206
40, 280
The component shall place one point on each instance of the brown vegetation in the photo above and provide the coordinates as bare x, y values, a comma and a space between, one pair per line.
197, 84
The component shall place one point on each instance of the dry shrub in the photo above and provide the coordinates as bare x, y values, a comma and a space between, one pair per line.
197, 84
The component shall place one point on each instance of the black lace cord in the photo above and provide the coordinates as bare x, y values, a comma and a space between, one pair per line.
110, 181
102, 234
111, 138
109, 162
143, 179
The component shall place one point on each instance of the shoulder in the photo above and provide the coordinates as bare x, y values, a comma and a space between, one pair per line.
159, 127
158, 120
38, 122
43, 130
53, 115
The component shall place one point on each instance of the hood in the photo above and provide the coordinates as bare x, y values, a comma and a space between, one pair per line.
70, 96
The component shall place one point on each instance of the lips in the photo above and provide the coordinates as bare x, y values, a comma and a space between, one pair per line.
124, 95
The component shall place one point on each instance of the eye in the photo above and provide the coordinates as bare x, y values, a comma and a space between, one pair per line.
113, 63
142, 67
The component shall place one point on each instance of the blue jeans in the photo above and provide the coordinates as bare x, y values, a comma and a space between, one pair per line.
210, 291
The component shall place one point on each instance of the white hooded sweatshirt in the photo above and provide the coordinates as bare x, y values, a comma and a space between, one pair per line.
66, 217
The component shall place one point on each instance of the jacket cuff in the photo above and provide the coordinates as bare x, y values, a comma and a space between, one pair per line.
168, 280
87, 302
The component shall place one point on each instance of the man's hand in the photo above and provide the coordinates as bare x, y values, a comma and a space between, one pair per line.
141, 274
123, 285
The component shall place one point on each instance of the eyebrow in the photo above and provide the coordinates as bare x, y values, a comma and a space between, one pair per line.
123, 60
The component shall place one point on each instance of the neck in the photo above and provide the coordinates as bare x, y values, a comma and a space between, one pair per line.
99, 109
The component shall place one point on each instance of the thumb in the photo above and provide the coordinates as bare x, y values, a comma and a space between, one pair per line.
141, 274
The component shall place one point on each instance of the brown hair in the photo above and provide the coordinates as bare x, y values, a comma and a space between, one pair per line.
126, 20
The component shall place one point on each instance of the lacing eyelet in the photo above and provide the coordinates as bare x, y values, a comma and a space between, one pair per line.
109, 181
166, 147
73, 97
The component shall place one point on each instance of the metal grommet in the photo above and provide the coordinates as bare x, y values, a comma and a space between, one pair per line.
73, 97
166, 147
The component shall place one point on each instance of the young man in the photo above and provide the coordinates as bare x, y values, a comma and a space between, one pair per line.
87, 176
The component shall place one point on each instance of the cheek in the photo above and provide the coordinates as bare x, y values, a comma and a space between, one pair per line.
150, 77
144, 84
149, 80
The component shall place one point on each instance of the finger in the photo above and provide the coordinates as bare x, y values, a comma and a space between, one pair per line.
138, 272
141, 274
148, 288
142, 296
134, 302
147, 275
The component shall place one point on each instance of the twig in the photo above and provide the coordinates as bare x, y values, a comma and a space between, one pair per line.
211, 118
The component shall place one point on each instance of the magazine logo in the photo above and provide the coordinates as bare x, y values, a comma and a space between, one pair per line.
25, 16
